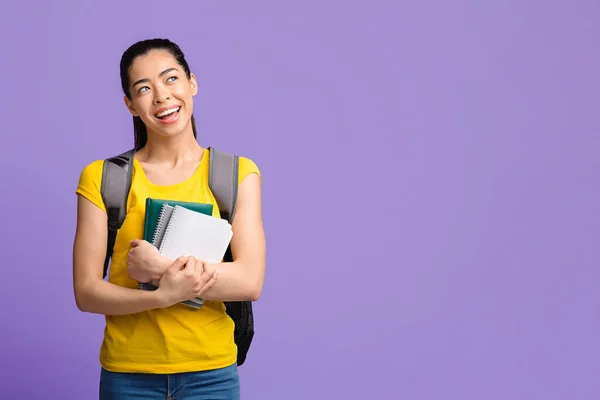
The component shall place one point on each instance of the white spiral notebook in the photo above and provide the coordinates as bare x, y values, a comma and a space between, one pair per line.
181, 231
199, 235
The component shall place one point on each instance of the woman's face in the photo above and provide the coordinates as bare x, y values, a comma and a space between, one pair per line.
161, 93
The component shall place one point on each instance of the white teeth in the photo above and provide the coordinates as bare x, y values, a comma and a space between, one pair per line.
167, 112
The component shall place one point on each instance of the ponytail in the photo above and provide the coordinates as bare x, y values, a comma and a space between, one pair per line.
140, 133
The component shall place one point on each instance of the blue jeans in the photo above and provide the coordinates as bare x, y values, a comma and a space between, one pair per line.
218, 384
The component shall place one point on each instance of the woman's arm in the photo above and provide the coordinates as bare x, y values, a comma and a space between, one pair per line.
243, 278
94, 295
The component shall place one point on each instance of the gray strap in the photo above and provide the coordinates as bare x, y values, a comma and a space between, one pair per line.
223, 181
116, 182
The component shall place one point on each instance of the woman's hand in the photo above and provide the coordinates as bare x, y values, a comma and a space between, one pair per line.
144, 262
185, 279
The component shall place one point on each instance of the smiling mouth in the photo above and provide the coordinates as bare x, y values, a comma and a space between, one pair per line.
167, 114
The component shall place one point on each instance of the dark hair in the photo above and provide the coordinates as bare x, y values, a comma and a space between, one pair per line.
140, 133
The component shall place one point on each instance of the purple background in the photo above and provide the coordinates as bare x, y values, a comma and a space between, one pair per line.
431, 188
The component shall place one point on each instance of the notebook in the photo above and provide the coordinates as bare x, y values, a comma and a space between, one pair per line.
197, 234
154, 208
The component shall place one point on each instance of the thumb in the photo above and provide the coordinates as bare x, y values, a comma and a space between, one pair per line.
135, 243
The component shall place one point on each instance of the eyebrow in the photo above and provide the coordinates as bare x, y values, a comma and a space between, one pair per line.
166, 71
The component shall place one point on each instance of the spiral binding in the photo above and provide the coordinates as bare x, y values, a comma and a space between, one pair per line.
159, 224
167, 227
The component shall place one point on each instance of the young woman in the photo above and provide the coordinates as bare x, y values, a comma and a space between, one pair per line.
154, 347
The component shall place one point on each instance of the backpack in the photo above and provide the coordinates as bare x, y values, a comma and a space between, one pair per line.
223, 183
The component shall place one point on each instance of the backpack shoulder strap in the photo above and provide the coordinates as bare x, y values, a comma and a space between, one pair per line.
116, 182
223, 181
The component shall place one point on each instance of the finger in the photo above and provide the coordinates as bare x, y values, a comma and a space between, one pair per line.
211, 282
177, 264
190, 267
134, 242
200, 266
206, 274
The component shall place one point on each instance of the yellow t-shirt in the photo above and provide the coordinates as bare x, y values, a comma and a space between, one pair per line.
174, 339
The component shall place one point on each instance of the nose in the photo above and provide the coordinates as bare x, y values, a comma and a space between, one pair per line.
161, 95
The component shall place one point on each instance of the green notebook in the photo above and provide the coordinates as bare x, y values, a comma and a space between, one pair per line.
153, 213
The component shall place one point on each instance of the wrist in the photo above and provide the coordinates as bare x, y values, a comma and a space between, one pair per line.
161, 299
157, 266
162, 263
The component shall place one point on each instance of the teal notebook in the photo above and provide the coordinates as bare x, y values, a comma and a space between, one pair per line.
154, 209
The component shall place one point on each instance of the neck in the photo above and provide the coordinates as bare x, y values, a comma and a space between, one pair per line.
172, 150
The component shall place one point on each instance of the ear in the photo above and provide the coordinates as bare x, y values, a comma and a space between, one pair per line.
130, 106
193, 84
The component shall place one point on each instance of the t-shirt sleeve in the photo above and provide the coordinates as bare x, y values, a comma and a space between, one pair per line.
89, 183
247, 167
